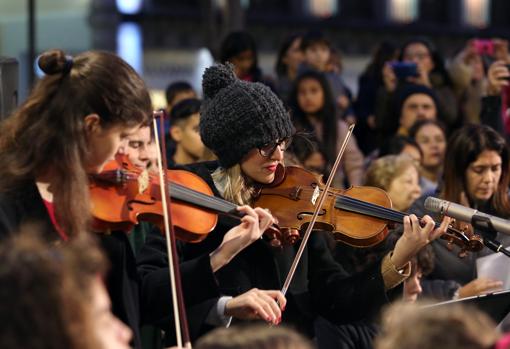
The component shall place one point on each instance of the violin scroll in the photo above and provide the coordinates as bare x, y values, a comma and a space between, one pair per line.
463, 237
280, 237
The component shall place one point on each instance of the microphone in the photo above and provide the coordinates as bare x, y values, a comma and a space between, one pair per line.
480, 220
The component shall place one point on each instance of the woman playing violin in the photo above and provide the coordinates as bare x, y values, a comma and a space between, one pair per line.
71, 125
476, 175
248, 129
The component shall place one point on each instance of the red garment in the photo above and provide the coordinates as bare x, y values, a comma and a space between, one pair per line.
51, 212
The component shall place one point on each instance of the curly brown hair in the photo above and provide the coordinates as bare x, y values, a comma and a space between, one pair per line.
452, 326
385, 169
45, 293
253, 337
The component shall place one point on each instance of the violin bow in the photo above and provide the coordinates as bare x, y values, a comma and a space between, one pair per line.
318, 207
181, 324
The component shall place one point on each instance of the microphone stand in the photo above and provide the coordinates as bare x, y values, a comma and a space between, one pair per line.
484, 224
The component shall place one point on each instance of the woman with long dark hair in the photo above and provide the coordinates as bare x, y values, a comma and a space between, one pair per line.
314, 113
476, 174
71, 125
477, 171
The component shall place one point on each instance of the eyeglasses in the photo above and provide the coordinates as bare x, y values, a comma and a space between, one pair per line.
268, 149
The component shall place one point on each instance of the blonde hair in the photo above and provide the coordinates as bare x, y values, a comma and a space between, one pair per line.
452, 326
384, 170
253, 337
233, 185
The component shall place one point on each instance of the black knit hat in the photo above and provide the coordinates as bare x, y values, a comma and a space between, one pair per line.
238, 116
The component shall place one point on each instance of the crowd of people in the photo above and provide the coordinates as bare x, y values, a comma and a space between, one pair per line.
424, 127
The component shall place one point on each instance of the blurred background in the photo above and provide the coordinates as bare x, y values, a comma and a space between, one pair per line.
168, 40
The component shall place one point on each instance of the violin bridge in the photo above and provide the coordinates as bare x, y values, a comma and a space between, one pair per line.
143, 181
315, 195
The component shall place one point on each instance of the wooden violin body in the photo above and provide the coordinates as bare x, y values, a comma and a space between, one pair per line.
358, 216
293, 202
123, 195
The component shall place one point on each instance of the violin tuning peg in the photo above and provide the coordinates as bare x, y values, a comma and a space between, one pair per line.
275, 243
290, 236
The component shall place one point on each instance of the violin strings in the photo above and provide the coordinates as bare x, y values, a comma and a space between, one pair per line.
373, 209
180, 192
381, 211
188, 194
390, 213
214, 202
369, 208
363, 206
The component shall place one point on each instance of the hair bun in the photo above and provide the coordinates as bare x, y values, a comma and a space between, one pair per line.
52, 62
216, 78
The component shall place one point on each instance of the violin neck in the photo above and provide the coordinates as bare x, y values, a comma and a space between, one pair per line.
350, 204
211, 203
368, 209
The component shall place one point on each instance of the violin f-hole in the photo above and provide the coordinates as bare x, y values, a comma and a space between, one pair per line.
151, 201
302, 215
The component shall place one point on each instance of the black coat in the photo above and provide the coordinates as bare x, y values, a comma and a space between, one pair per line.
139, 296
320, 286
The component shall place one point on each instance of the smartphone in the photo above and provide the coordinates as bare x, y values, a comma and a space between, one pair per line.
404, 70
484, 47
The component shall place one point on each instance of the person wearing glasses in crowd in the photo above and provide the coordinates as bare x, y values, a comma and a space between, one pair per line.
248, 129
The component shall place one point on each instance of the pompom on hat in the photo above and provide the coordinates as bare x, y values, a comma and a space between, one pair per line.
238, 116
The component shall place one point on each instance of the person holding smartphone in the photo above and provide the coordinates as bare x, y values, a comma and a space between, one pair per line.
493, 110
430, 72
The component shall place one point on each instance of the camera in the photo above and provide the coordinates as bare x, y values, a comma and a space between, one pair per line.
484, 47
404, 70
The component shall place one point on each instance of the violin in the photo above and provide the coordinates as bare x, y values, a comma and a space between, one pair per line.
358, 216
122, 195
